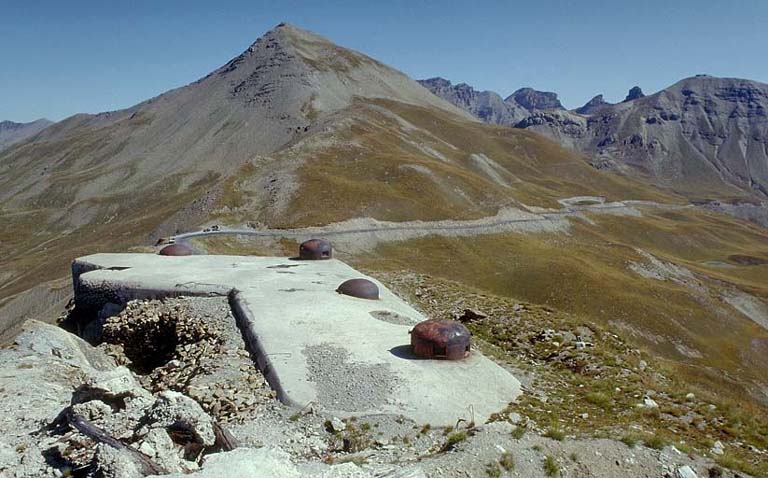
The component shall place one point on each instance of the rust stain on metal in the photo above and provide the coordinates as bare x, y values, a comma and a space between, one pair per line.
315, 249
360, 288
440, 339
176, 250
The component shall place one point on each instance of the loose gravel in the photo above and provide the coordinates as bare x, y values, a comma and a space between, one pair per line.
345, 385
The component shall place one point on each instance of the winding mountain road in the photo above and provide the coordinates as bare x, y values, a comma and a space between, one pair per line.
363, 233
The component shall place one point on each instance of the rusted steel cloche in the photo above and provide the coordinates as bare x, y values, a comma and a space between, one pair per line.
360, 288
440, 339
176, 250
315, 249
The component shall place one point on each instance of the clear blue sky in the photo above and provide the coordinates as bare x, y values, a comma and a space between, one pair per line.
62, 57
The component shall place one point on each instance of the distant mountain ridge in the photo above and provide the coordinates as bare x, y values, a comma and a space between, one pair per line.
12, 132
488, 105
703, 136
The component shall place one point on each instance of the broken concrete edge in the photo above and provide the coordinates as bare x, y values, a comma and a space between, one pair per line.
244, 319
95, 300
80, 267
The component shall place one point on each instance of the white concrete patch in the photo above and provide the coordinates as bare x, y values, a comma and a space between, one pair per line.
313, 344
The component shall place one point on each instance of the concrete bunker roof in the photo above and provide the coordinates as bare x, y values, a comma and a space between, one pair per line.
287, 308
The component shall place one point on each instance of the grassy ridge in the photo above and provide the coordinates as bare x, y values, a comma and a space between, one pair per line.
587, 274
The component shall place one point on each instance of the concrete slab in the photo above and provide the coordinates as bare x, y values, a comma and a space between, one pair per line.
347, 356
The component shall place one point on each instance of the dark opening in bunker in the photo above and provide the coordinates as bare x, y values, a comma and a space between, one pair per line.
315, 249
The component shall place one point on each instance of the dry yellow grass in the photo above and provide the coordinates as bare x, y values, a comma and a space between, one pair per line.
586, 273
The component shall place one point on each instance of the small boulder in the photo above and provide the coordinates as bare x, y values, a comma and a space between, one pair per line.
159, 447
177, 411
112, 463
686, 472
112, 386
718, 448
337, 424
471, 315
650, 403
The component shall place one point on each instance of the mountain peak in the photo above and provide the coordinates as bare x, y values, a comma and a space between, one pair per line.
289, 67
531, 99
592, 105
634, 93
436, 82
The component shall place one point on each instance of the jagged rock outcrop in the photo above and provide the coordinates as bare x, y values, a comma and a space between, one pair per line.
566, 127
634, 93
533, 100
705, 136
592, 105
489, 106
486, 105
11, 132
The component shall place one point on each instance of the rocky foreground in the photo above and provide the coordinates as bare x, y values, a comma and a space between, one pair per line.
172, 391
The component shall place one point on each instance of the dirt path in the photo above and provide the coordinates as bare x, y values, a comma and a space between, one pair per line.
356, 235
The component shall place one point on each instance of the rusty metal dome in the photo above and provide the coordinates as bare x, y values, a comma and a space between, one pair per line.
315, 249
360, 288
440, 339
176, 250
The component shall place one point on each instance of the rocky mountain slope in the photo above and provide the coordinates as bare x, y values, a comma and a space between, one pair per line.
255, 104
11, 132
703, 136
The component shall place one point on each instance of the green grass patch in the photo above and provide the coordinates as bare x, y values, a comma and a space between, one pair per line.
507, 461
555, 434
551, 468
657, 442
454, 439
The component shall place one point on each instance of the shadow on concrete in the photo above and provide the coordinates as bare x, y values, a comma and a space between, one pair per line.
285, 266
405, 352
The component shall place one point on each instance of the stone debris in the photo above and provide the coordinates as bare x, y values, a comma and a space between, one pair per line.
208, 362
164, 421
